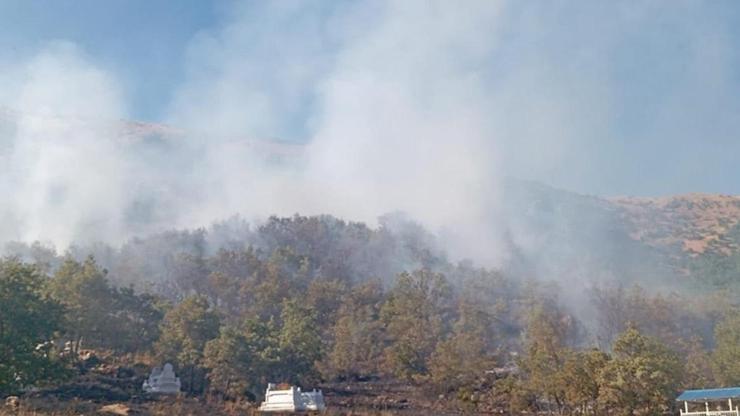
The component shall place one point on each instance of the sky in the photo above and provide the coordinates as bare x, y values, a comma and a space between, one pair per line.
401, 104
143, 42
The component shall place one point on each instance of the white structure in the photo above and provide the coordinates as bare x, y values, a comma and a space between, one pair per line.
710, 402
292, 399
162, 381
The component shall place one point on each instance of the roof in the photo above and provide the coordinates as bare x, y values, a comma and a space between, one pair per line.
709, 394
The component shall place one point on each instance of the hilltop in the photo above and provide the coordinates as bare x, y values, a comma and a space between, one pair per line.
549, 232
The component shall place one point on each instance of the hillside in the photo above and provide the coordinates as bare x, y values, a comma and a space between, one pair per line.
324, 302
575, 239
683, 238
695, 223
700, 232
551, 233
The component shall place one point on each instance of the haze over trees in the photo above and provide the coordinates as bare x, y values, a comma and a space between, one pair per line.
307, 300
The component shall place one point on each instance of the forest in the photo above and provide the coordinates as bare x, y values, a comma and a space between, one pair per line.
316, 300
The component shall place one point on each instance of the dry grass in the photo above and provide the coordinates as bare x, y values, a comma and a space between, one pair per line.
696, 223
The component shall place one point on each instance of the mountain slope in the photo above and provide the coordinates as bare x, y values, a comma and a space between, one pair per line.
693, 238
551, 233
694, 223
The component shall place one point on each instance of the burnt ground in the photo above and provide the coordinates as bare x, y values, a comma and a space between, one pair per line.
376, 397
107, 387
389, 396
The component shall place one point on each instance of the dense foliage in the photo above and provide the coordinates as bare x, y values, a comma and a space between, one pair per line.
306, 299
28, 320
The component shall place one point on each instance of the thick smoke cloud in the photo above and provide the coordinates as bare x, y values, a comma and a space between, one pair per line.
418, 106
405, 121
59, 178
394, 120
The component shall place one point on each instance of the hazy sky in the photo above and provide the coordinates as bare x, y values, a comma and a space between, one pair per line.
633, 97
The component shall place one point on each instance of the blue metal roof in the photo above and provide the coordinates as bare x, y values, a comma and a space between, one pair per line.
709, 394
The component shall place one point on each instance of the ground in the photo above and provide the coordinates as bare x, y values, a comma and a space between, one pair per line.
109, 386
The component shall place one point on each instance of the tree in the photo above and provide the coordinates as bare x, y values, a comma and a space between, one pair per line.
462, 360
357, 335
282, 276
414, 317
89, 300
655, 315
581, 380
228, 359
300, 341
243, 359
263, 341
726, 355
185, 331
325, 296
517, 397
545, 353
28, 320
458, 362
698, 373
101, 315
230, 271
643, 376
136, 319
189, 272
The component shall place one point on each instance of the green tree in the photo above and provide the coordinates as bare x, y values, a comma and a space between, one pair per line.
300, 341
244, 359
462, 360
580, 379
726, 355
185, 330
698, 373
100, 315
135, 319
228, 360
642, 378
545, 353
230, 270
517, 396
283, 276
357, 334
89, 300
414, 317
28, 319
263, 340
325, 296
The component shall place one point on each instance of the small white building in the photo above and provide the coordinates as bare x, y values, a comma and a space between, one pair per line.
162, 381
292, 399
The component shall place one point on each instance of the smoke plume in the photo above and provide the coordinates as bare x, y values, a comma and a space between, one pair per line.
356, 109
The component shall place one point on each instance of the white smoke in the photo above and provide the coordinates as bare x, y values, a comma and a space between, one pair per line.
404, 121
60, 180
419, 106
